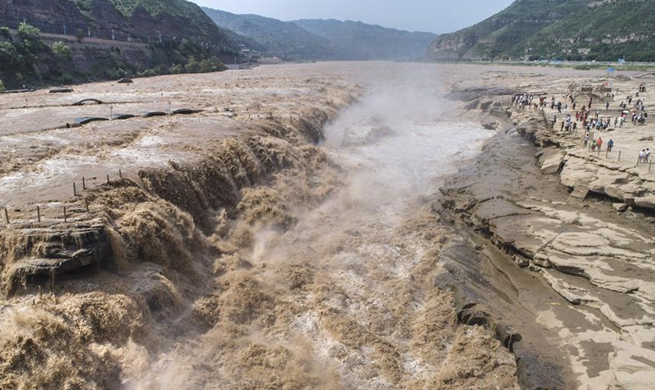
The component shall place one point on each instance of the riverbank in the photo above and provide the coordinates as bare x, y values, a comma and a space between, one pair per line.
575, 220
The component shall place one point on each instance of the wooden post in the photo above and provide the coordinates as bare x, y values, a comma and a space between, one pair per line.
607, 153
86, 204
650, 163
38, 213
120, 174
74, 190
65, 216
83, 183
107, 178
619, 156
7, 215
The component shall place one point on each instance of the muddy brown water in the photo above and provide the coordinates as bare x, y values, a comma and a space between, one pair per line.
282, 264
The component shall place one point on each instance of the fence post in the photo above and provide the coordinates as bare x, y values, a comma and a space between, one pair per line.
650, 163
65, 216
74, 190
38, 213
86, 204
7, 215
619, 156
83, 183
107, 178
120, 174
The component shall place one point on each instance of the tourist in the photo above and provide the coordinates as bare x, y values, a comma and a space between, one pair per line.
599, 143
607, 105
610, 145
642, 154
647, 156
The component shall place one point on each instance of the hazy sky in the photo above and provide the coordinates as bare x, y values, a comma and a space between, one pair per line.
414, 15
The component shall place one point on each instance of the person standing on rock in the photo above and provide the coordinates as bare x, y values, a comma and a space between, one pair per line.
642, 154
599, 143
586, 139
610, 145
647, 156
607, 105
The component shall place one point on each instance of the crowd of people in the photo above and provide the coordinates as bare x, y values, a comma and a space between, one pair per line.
594, 122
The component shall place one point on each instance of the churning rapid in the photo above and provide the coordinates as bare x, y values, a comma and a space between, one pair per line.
343, 297
271, 263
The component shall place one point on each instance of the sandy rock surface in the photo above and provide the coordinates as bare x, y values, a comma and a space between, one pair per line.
598, 255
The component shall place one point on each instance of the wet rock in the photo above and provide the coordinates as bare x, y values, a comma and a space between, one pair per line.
493, 125
551, 162
521, 261
620, 207
542, 260
472, 105
645, 201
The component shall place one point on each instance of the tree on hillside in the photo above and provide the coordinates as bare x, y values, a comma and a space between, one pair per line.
9, 57
5, 33
79, 34
26, 31
62, 51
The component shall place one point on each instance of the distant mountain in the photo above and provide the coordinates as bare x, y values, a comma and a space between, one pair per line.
325, 39
282, 39
557, 29
360, 41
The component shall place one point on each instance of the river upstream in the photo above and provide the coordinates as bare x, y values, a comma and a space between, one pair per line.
295, 227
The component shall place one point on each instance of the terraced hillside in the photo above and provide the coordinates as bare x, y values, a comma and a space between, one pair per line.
557, 29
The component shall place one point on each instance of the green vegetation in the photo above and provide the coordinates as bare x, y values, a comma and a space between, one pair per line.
2, 86
21, 53
18, 55
575, 30
153, 7
60, 49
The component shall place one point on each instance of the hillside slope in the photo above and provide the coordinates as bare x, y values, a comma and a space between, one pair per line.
325, 39
557, 29
134, 20
361, 41
83, 40
282, 39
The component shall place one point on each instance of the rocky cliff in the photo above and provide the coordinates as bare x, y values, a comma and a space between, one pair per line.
556, 29
171, 20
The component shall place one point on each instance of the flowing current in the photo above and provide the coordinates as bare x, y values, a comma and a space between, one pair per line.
344, 299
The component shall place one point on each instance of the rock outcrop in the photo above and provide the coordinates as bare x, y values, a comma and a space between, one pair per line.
596, 255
